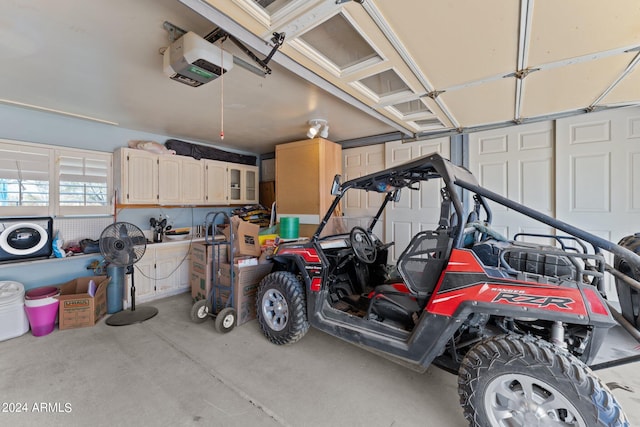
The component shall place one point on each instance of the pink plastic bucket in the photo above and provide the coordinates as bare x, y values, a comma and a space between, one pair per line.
42, 318
41, 306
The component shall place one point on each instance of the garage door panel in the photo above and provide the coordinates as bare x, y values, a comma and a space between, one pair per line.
575, 22
517, 163
534, 175
497, 96
405, 201
571, 87
633, 129
430, 147
353, 160
358, 162
591, 183
597, 174
627, 91
401, 233
492, 145
634, 190
586, 133
376, 158
374, 200
426, 226
529, 141
494, 177
430, 195
419, 208
399, 155
352, 200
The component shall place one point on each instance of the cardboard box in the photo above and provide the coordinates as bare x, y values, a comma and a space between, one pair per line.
77, 308
248, 275
200, 285
203, 252
200, 267
246, 240
245, 287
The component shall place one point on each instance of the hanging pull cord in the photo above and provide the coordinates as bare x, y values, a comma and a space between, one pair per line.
221, 92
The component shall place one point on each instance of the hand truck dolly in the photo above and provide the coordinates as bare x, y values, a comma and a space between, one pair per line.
223, 313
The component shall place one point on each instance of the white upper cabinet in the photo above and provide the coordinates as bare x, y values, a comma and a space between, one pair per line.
215, 182
169, 180
192, 181
135, 174
149, 179
242, 184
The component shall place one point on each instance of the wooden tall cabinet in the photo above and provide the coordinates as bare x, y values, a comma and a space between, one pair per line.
304, 174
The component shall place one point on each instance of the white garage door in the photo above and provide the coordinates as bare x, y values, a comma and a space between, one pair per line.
598, 174
585, 172
518, 163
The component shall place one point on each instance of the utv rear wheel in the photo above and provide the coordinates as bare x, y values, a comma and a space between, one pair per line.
629, 298
523, 381
282, 311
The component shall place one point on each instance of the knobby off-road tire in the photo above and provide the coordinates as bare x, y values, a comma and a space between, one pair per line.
629, 298
524, 381
281, 308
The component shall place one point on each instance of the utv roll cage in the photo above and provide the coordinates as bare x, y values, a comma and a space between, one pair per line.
456, 180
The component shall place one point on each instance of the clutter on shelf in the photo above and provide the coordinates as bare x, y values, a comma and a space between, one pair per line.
159, 227
255, 214
198, 152
150, 146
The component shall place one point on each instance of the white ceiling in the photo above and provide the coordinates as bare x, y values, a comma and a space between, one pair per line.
468, 64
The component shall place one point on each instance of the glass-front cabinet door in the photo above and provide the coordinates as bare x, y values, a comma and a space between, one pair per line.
251, 184
235, 184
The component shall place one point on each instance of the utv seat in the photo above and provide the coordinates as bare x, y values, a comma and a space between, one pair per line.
420, 267
525, 257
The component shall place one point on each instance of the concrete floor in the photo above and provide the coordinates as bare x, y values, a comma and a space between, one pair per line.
169, 371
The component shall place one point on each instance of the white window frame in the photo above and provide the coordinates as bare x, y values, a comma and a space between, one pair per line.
20, 149
53, 154
85, 156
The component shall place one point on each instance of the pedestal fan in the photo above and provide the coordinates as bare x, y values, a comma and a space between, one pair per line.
123, 244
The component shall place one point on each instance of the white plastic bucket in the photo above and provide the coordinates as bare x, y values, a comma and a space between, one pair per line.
39, 302
10, 292
13, 318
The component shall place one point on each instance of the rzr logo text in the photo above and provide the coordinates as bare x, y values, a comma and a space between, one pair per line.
537, 300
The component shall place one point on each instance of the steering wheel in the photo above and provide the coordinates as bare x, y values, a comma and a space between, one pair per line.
362, 245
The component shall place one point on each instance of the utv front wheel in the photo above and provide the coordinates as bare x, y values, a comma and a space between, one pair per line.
282, 312
524, 381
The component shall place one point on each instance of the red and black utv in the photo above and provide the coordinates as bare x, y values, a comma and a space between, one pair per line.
520, 322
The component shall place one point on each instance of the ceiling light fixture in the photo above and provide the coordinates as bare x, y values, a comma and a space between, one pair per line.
318, 127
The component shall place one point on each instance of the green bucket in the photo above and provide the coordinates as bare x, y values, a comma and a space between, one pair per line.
289, 227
